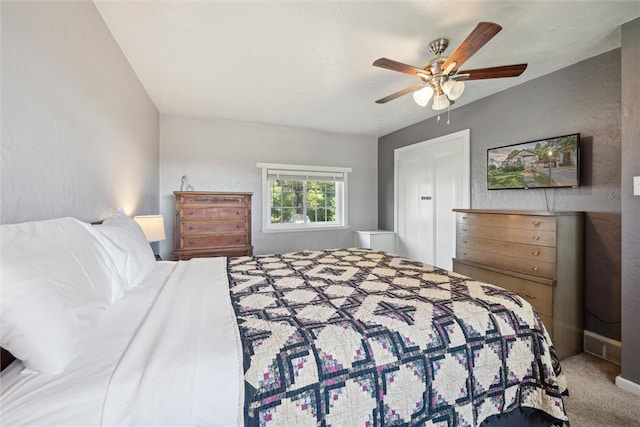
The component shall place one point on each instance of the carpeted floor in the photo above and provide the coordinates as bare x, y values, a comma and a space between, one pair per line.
594, 399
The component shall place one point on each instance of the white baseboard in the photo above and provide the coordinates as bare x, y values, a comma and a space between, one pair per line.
602, 347
627, 385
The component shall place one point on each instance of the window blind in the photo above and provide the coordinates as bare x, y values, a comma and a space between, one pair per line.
281, 174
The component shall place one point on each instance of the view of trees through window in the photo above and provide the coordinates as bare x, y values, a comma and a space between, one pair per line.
302, 201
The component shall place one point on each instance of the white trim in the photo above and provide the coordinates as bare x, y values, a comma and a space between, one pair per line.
627, 385
303, 167
293, 228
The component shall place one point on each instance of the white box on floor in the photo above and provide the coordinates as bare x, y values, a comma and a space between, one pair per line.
380, 240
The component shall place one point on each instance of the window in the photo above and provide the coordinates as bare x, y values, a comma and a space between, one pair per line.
297, 197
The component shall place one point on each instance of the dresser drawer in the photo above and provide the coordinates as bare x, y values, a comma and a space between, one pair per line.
213, 241
518, 250
530, 222
537, 254
515, 235
520, 265
189, 228
213, 213
215, 200
539, 295
227, 252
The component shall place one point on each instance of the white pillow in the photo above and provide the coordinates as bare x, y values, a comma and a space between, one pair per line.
128, 236
56, 278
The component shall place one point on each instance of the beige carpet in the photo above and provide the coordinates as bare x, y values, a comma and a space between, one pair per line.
594, 399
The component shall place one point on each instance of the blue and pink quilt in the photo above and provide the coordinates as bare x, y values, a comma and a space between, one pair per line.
364, 338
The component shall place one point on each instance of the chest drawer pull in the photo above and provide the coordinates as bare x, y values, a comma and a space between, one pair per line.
525, 295
535, 253
534, 268
202, 200
464, 217
464, 229
536, 237
536, 222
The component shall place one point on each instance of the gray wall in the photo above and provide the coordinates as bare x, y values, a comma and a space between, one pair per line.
574, 99
79, 133
221, 155
630, 203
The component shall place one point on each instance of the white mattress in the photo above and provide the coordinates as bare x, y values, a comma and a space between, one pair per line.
167, 353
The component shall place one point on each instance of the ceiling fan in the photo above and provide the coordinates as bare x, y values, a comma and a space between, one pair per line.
440, 77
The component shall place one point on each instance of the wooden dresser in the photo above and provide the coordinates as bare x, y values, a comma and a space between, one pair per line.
538, 255
212, 224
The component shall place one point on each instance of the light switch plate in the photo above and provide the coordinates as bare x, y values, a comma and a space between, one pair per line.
636, 185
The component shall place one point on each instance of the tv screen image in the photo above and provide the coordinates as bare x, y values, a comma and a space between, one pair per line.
544, 163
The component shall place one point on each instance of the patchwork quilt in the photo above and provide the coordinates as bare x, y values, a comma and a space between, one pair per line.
364, 338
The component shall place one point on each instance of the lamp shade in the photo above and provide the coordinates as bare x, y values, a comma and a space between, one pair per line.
453, 89
422, 96
440, 102
152, 225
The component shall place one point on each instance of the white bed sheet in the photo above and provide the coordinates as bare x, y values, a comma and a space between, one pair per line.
165, 354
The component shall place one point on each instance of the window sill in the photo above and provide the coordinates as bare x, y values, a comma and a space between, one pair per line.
293, 229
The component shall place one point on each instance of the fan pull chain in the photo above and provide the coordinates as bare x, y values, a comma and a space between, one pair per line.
448, 114
438, 117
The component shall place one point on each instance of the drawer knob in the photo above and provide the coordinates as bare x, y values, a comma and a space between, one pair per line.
534, 268
525, 295
464, 229
536, 238
464, 241
535, 253
536, 222
464, 217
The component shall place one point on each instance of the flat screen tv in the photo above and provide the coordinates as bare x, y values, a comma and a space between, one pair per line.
545, 163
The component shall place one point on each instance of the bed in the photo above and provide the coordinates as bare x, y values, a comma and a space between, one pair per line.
105, 335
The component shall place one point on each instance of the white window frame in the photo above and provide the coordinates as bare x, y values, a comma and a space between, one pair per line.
341, 174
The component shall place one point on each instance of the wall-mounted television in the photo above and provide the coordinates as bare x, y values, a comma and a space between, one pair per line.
544, 163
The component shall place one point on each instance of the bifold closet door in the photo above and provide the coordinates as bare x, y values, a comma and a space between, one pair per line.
432, 178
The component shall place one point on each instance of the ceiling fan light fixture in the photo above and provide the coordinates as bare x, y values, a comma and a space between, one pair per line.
440, 102
453, 89
422, 96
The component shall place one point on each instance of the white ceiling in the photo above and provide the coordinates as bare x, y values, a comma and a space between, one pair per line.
307, 64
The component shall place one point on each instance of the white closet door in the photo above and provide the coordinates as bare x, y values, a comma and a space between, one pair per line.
415, 224
431, 179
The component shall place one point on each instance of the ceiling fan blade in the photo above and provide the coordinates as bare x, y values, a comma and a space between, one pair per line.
399, 93
480, 35
494, 72
392, 65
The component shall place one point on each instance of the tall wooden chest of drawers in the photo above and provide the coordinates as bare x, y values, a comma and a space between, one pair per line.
538, 255
212, 224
